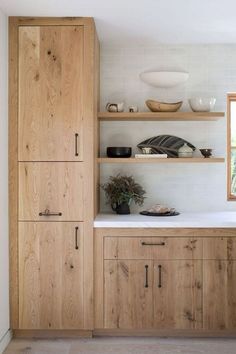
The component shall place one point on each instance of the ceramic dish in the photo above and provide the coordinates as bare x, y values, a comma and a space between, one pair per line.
202, 104
170, 213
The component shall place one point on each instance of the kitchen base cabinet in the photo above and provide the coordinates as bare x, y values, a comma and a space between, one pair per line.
219, 294
50, 275
177, 294
128, 294
191, 281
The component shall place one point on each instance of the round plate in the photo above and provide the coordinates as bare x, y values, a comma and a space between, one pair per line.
170, 213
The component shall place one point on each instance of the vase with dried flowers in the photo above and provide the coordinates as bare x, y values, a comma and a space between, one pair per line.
120, 191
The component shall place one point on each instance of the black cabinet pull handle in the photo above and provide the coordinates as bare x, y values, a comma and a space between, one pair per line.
146, 276
47, 212
76, 144
76, 238
143, 243
160, 276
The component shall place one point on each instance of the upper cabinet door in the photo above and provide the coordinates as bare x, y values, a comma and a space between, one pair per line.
50, 99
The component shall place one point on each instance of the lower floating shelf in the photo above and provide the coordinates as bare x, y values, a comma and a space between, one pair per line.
161, 160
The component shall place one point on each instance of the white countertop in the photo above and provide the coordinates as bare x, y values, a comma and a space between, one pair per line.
214, 219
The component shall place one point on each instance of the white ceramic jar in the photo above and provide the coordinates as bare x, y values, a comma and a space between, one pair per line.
185, 151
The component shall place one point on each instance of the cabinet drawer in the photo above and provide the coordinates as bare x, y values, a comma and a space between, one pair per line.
54, 189
219, 248
152, 248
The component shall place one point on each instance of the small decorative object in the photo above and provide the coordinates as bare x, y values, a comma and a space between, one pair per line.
160, 210
133, 109
156, 106
202, 104
120, 191
164, 78
122, 151
147, 150
185, 151
165, 144
206, 152
115, 107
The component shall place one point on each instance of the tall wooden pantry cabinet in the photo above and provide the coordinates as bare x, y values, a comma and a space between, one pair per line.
53, 104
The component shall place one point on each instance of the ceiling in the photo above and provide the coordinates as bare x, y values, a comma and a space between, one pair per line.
142, 22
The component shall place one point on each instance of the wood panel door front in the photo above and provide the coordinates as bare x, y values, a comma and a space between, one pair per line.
177, 293
128, 294
51, 191
50, 98
219, 294
50, 275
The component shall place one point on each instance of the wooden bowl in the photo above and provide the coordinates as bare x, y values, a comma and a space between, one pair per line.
156, 106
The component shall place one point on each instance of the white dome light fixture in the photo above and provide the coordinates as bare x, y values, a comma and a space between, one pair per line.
164, 79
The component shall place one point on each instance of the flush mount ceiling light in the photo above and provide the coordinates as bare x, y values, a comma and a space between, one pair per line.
164, 79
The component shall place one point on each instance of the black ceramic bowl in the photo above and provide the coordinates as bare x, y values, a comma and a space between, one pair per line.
113, 151
206, 152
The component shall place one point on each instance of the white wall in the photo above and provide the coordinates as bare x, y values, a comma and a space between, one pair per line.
212, 68
4, 259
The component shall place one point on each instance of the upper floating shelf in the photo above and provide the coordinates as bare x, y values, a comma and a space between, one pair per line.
160, 116
156, 160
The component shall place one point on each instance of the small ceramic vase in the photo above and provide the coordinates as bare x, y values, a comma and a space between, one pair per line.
133, 109
146, 150
185, 151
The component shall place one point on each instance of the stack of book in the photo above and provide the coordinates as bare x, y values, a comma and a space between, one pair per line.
151, 156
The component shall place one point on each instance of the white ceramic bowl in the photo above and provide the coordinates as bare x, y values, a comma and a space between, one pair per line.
202, 104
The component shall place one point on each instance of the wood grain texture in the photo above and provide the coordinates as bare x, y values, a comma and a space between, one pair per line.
50, 93
195, 292
90, 115
127, 302
219, 294
13, 172
67, 57
56, 186
223, 248
152, 248
132, 160
160, 116
178, 300
50, 275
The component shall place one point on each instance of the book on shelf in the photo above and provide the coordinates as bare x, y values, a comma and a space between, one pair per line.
151, 156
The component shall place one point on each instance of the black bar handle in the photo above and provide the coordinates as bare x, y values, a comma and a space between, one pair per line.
76, 238
76, 144
146, 276
47, 212
160, 276
143, 243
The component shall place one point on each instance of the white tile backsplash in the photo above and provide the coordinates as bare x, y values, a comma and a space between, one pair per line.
212, 69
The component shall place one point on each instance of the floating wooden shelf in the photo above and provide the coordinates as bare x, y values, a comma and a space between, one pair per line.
160, 116
161, 160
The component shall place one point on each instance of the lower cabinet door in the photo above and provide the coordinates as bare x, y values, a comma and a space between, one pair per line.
177, 294
50, 275
219, 294
128, 294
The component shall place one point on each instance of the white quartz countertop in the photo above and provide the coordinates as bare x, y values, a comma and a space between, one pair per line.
213, 219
